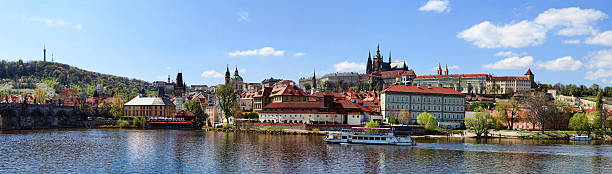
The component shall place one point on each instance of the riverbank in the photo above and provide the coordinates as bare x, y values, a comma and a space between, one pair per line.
269, 130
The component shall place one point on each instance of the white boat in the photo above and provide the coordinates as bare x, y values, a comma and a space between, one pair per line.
368, 136
581, 138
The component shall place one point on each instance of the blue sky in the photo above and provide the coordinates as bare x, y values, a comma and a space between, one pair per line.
561, 41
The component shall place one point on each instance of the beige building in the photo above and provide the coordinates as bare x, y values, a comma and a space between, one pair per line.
446, 104
149, 107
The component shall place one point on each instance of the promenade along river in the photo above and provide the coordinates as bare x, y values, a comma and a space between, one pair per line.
188, 151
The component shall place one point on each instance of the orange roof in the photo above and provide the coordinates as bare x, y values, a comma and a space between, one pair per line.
453, 75
288, 90
528, 72
422, 89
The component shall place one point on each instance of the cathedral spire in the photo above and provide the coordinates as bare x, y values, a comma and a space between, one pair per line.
378, 52
227, 75
314, 79
389, 57
439, 71
369, 65
236, 71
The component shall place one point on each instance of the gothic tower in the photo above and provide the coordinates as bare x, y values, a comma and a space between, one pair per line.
389, 57
236, 71
369, 65
227, 75
439, 71
44, 54
446, 70
314, 80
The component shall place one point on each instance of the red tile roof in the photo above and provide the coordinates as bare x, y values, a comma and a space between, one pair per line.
528, 72
337, 107
422, 89
454, 75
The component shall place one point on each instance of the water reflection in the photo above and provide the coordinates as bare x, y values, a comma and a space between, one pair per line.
178, 151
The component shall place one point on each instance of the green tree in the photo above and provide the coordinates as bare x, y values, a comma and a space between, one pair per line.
116, 108
599, 107
507, 111
392, 120
427, 120
227, 100
326, 85
40, 95
482, 104
478, 123
372, 124
580, 124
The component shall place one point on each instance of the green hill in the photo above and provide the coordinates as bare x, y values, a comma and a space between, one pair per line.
19, 76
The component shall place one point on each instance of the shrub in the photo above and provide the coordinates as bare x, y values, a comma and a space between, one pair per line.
227, 126
123, 123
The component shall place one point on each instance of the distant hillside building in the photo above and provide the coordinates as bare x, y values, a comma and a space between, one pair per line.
446, 104
378, 65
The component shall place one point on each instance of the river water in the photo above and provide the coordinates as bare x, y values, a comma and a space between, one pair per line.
188, 151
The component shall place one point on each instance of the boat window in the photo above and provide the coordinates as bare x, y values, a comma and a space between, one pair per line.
344, 137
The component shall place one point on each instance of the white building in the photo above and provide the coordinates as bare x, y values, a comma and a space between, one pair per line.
446, 104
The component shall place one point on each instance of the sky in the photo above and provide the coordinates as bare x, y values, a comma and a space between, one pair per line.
561, 41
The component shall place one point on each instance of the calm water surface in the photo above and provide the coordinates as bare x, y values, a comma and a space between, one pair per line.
184, 151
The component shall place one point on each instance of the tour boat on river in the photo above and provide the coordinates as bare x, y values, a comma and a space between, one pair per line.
360, 135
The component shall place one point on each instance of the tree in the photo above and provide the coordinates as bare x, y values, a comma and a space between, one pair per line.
392, 120
508, 111
325, 85
580, 124
482, 104
479, 123
116, 109
600, 109
427, 120
40, 95
251, 115
227, 100
372, 124
536, 109
307, 86
405, 116
195, 107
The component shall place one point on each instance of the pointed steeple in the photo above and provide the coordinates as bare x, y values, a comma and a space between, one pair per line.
439, 71
369, 65
227, 75
446, 70
236, 71
314, 79
389, 56
378, 52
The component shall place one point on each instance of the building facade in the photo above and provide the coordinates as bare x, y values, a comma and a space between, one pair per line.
317, 112
464, 83
378, 65
149, 107
446, 104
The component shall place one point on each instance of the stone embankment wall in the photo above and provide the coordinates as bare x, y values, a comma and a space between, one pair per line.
19, 116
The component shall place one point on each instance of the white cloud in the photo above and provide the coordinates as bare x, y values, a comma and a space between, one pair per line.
505, 54
575, 21
300, 54
600, 59
487, 35
349, 67
571, 41
561, 64
514, 62
604, 38
58, 22
571, 21
243, 70
600, 73
265, 51
212, 74
243, 16
437, 6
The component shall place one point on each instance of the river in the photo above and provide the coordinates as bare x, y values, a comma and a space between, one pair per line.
189, 151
